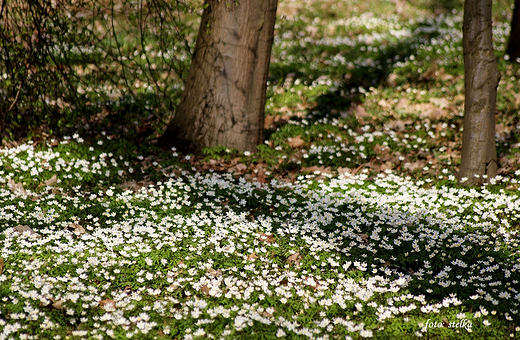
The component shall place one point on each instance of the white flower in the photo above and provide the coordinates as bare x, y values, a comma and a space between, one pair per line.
199, 332
365, 333
280, 333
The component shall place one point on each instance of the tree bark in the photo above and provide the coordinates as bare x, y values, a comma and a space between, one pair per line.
224, 99
481, 80
513, 45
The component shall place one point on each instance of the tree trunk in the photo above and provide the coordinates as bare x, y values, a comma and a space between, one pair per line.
513, 46
481, 80
224, 99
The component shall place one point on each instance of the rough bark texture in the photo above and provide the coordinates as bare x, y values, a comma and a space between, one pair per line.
513, 46
481, 80
224, 99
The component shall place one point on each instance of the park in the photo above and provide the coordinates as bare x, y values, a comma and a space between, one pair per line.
353, 208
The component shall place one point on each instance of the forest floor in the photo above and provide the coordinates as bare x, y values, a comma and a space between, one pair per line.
348, 222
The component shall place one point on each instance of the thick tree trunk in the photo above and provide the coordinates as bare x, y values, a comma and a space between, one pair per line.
513, 46
481, 80
224, 99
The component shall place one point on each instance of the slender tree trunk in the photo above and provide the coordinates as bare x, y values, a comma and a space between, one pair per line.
481, 80
224, 99
513, 46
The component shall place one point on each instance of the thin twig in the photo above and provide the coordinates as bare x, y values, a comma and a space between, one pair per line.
17, 96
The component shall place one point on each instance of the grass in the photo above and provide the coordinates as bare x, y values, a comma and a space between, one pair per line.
348, 222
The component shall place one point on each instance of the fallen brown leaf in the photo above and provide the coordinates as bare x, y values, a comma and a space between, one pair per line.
23, 228
359, 112
343, 171
57, 304
413, 166
51, 181
386, 166
392, 79
16, 187
516, 96
213, 272
241, 167
267, 238
294, 259
428, 111
77, 228
252, 257
382, 152
503, 131
384, 104
107, 304
2, 265
205, 289
364, 237
396, 125
296, 142
268, 121
261, 176
129, 185
403, 104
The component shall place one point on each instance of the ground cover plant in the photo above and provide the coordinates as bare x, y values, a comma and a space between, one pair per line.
348, 222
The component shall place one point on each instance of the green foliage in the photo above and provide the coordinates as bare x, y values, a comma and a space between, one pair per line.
61, 62
219, 151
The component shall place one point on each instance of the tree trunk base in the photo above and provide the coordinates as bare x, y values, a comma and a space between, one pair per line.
478, 155
224, 99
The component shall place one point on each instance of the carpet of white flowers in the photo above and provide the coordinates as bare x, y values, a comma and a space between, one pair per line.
214, 256
89, 250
